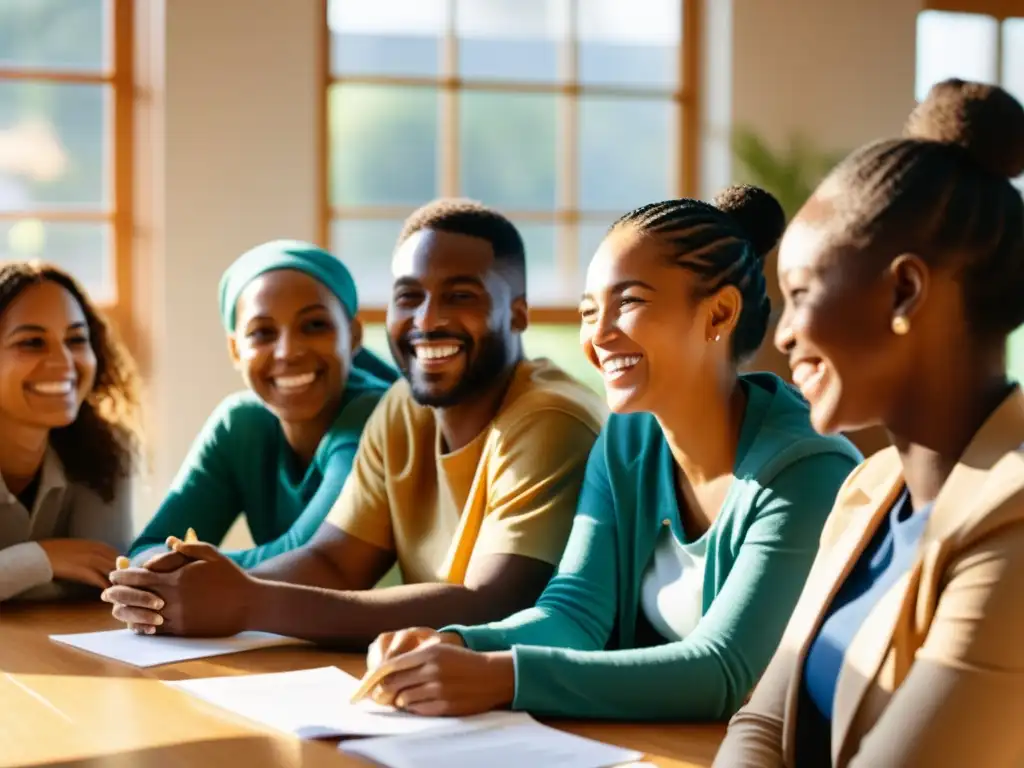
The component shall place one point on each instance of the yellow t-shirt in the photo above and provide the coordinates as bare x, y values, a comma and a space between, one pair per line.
511, 490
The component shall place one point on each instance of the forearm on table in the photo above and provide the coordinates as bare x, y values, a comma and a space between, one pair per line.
22, 567
355, 618
306, 566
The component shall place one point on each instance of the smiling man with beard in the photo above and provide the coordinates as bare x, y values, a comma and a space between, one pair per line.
467, 474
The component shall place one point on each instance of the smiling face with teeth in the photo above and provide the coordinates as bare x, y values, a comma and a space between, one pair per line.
47, 363
453, 321
293, 345
640, 325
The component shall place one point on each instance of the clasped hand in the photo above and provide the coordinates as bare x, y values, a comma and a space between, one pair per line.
432, 673
192, 590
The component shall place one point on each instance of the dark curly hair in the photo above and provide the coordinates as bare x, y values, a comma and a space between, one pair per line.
98, 447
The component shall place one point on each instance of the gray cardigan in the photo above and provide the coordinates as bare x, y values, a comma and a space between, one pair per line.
62, 510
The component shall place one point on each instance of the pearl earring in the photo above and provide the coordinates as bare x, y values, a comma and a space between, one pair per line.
900, 325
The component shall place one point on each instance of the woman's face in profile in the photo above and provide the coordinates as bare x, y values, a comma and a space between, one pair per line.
47, 363
836, 327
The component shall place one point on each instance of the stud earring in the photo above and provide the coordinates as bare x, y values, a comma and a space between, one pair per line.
900, 325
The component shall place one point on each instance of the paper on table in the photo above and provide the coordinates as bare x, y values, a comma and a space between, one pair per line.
153, 650
511, 746
314, 704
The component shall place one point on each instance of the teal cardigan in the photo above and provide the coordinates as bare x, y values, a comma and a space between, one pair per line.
241, 464
575, 652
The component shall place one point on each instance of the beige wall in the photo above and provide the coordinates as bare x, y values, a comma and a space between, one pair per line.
229, 150
232, 128
840, 72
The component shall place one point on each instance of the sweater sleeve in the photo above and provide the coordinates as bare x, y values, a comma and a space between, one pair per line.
577, 608
335, 473
205, 494
706, 675
22, 567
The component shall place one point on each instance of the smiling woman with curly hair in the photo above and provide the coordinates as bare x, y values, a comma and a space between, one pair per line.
69, 400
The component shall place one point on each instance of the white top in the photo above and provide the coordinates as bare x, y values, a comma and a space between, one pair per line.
672, 590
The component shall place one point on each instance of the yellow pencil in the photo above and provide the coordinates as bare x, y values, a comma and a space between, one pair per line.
190, 536
122, 562
370, 682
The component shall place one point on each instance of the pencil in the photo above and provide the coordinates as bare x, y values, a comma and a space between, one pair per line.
371, 681
122, 562
190, 536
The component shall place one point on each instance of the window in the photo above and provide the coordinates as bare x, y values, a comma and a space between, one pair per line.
65, 127
563, 114
974, 46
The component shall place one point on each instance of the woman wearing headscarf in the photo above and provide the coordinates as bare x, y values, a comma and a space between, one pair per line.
280, 451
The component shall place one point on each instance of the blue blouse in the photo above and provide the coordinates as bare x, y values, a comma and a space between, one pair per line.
888, 556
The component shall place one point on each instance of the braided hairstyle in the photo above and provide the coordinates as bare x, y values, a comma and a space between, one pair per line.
97, 448
943, 192
724, 243
468, 217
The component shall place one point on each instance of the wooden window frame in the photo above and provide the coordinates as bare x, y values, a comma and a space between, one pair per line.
567, 211
998, 9
119, 76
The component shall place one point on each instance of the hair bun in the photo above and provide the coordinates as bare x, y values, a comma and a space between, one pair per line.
983, 119
757, 212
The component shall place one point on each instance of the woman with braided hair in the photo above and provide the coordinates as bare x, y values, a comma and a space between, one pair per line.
903, 276
701, 509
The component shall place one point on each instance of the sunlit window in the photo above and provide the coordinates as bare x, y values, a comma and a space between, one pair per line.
563, 114
63, 143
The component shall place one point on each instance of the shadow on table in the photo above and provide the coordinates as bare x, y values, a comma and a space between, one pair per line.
253, 752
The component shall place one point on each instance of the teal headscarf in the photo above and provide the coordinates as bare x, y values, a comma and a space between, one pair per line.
313, 261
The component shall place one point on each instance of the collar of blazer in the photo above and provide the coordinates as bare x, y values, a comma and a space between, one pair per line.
974, 502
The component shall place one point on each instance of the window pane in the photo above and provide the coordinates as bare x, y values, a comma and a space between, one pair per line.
386, 37
366, 248
83, 249
627, 152
545, 282
508, 149
591, 233
634, 43
53, 145
954, 45
383, 144
1013, 74
1013, 57
54, 34
511, 39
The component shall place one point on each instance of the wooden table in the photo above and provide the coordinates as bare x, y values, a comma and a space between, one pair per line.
63, 707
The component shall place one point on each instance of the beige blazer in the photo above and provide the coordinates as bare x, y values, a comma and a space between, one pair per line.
935, 675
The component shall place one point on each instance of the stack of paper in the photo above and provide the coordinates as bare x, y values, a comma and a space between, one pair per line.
154, 650
314, 704
509, 746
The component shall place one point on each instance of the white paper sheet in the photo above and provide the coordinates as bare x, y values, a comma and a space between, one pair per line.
509, 746
154, 650
314, 703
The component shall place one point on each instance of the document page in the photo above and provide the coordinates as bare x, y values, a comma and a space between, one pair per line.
154, 650
314, 703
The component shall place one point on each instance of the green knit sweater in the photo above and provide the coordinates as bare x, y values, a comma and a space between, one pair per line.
575, 652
